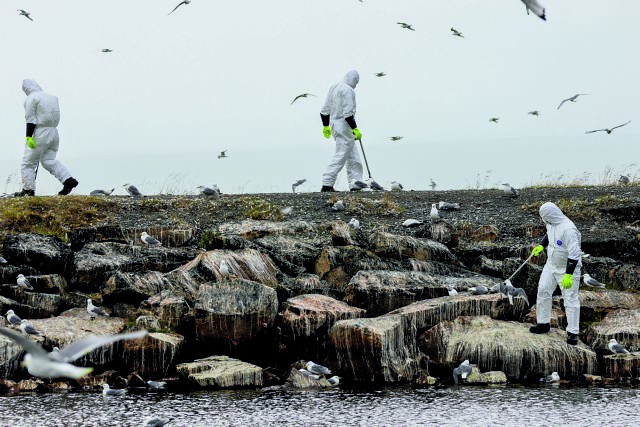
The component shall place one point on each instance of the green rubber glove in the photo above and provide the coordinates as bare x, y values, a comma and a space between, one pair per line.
567, 281
357, 133
326, 131
31, 143
536, 251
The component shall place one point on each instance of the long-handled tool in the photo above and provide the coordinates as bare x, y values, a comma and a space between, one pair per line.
508, 281
374, 185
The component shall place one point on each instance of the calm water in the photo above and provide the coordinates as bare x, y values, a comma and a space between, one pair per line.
458, 406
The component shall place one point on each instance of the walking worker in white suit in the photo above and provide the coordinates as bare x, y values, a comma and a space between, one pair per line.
338, 119
42, 114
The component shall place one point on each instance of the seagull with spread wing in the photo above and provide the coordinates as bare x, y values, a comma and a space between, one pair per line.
571, 98
456, 33
222, 154
57, 364
534, 113
25, 14
380, 74
608, 130
396, 138
179, 4
406, 26
302, 95
535, 7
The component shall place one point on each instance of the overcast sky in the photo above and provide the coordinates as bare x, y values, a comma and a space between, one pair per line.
177, 89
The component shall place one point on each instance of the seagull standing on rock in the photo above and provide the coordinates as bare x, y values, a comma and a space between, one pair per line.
95, 311
590, 281
338, 206
13, 318
462, 371
132, 190
23, 282
616, 347
157, 384
553, 378
29, 329
509, 190
396, 186
435, 215
149, 240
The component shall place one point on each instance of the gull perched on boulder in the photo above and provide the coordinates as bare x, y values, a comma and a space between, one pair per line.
179, 4
101, 192
95, 311
571, 99
396, 186
23, 282
303, 95
29, 329
535, 7
616, 347
434, 214
25, 14
209, 191
591, 282
317, 369
452, 292
149, 240
354, 223
334, 380
40, 363
509, 190
108, 391
462, 371
608, 130
224, 269
13, 318
132, 190
297, 184
553, 378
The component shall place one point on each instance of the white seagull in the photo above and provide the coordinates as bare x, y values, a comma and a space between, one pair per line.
616, 347
334, 380
453, 292
132, 190
623, 180
179, 4
108, 391
590, 281
435, 216
608, 130
298, 183
149, 240
209, 191
29, 329
410, 223
25, 14
23, 282
13, 318
354, 223
3, 261
95, 311
509, 190
40, 363
479, 290
571, 98
396, 186
553, 378
317, 369
535, 7
225, 271
338, 206
101, 192
309, 374
157, 384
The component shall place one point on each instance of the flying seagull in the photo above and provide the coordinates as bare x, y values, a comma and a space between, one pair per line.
222, 154
149, 240
535, 7
304, 95
95, 311
432, 184
25, 14
108, 391
23, 282
455, 32
571, 98
132, 190
101, 192
617, 348
41, 364
297, 184
591, 282
13, 318
494, 119
380, 74
534, 113
509, 190
607, 130
396, 138
29, 329
107, 50
405, 25
209, 191
179, 4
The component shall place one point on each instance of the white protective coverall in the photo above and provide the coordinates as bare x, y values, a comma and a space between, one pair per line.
340, 104
43, 110
564, 243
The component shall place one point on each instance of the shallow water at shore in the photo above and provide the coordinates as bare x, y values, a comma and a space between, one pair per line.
506, 406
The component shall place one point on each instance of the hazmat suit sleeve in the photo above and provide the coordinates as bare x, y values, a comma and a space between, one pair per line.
31, 109
326, 108
572, 239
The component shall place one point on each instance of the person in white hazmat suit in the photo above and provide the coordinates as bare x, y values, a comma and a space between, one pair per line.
338, 119
42, 114
564, 261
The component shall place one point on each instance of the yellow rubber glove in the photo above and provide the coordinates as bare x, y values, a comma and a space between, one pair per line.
567, 281
326, 131
536, 251
31, 143
357, 133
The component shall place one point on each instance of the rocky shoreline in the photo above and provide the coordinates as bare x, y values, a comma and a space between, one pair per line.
244, 290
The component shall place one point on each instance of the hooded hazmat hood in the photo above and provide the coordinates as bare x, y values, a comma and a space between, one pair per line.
551, 214
352, 78
29, 85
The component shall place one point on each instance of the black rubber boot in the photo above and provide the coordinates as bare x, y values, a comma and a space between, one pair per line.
24, 193
540, 328
69, 185
572, 339
327, 189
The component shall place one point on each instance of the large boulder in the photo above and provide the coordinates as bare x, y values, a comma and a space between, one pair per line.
296, 251
22, 310
379, 292
221, 372
393, 246
623, 325
595, 305
153, 356
305, 323
172, 311
505, 346
622, 365
133, 288
47, 254
234, 317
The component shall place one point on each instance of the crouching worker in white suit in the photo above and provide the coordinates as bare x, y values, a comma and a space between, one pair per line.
338, 119
562, 269
42, 114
